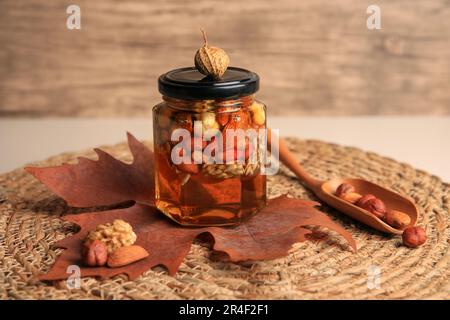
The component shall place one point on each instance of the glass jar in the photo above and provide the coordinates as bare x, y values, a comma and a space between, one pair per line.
207, 146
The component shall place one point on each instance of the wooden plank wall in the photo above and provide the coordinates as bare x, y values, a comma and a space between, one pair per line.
315, 57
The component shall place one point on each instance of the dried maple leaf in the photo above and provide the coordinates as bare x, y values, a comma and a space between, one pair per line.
107, 181
268, 235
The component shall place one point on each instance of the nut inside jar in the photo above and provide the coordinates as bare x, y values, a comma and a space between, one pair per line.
213, 178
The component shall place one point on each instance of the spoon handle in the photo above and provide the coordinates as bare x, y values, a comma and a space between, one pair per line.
288, 159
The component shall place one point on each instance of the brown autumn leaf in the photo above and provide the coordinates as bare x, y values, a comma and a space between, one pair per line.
107, 181
268, 235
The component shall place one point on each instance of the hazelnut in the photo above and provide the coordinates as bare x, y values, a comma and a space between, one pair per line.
209, 121
414, 237
351, 197
258, 113
361, 202
373, 205
397, 219
343, 189
95, 253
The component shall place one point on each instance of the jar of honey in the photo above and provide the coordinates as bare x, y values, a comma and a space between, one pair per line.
207, 145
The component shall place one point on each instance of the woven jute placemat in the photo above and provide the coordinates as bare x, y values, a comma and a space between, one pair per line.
382, 268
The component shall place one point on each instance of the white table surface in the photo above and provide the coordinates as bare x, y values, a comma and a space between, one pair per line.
423, 142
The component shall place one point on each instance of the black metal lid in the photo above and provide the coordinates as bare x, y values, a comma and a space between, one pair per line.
190, 84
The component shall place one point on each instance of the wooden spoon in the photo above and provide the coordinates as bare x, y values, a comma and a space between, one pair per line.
325, 191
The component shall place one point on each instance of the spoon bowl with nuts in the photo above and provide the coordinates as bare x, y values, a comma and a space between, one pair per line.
326, 191
367, 202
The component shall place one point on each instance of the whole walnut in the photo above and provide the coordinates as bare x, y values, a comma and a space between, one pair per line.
114, 235
211, 61
95, 253
344, 188
414, 237
372, 204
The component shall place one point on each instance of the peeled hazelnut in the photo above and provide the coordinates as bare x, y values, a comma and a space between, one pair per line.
397, 219
414, 237
343, 189
95, 253
351, 197
209, 121
258, 115
373, 205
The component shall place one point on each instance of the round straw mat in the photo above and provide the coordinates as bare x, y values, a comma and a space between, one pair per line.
326, 269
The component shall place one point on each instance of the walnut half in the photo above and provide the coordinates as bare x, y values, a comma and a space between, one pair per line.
114, 235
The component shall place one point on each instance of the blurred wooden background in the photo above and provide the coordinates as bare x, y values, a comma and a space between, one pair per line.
315, 57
